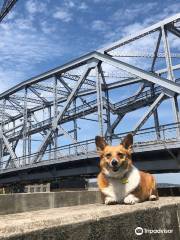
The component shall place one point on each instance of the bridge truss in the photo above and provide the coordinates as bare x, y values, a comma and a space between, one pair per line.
100, 88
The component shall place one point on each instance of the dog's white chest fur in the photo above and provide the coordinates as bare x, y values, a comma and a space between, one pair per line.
117, 191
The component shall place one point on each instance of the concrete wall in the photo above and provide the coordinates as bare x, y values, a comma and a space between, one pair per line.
92, 222
22, 202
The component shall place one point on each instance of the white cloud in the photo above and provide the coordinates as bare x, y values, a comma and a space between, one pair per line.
11, 15
83, 6
99, 25
47, 28
34, 6
63, 15
7, 77
168, 11
69, 4
24, 24
124, 15
23, 47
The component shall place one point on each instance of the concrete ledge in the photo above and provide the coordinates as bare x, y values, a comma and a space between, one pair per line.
96, 221
23, 202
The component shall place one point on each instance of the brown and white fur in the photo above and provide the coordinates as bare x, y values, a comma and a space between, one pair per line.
119, 180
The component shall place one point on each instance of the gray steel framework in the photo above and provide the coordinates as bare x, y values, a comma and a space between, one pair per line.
37, 113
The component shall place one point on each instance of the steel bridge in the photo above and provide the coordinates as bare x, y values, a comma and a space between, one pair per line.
92, 95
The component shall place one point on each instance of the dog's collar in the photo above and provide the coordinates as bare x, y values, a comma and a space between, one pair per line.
124, 180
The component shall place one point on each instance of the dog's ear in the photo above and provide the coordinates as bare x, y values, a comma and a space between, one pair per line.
128, 141
100, 143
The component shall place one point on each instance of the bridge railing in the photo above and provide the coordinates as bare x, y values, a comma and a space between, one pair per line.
149, 136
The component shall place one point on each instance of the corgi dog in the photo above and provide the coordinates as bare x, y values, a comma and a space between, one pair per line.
119, 180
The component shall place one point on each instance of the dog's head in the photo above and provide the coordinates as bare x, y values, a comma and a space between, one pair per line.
115, 161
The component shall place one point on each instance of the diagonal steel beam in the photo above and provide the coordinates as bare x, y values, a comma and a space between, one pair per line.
67, 134
71, 96
38, 94
9, 148
111, 129
64, 83
59, 117
16, 104
70, 89
156, 51
10, 160
114, 125
163, 82
148, 113
174, 30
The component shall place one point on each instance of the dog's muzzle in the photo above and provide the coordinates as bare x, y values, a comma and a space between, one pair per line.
114, 164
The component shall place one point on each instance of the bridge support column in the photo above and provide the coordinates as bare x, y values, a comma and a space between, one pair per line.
29, 140
75, 125
156, 118
1, 153
170, 75
25, 127
49, 112
55, 115
108, 115
156, 122
99, 101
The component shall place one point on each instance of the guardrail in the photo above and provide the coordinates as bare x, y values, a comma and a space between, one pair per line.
168, 133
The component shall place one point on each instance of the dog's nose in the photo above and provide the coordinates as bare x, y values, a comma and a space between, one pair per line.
114, 162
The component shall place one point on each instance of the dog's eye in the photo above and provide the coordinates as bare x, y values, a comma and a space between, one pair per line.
108, 155
121, 155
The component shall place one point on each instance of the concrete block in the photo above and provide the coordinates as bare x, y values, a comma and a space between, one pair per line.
23, 202
96, 221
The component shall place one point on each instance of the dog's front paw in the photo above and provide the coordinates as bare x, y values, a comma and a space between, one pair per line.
153, 198
110, 201
131, 199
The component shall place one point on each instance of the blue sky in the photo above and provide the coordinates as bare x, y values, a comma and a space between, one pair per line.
39, 35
